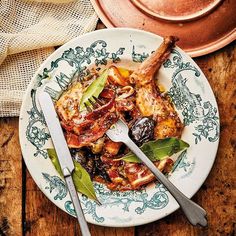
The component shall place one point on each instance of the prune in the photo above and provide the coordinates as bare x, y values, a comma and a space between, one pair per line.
100, 170
142, 130
79, 156
85, 159
92, 163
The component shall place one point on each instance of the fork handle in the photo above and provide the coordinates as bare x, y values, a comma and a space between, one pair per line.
194, 213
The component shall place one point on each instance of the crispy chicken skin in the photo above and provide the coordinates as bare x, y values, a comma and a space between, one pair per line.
149, 99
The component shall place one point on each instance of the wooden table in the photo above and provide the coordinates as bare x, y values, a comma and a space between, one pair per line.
24, 210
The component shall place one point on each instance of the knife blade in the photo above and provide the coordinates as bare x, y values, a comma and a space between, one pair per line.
63, 154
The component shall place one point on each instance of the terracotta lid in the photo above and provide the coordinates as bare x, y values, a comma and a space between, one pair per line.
203, 26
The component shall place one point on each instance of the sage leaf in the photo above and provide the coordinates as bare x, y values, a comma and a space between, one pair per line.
81, 177
158, 149
94, 89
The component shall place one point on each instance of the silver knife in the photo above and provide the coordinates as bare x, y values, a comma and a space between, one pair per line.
63, 154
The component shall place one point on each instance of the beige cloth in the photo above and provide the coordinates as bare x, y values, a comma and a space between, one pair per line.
29, 29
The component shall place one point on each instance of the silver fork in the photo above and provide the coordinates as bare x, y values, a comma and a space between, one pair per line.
119, 133
194, 213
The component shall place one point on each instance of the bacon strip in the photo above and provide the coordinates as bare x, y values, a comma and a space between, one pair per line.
96, 130
101, 111
107, 93
94, 126
139, 175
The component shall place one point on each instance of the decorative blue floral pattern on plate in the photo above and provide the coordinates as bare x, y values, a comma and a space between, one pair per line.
193, 108
109, 198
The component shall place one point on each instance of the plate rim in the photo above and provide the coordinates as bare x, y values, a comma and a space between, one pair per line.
24, 103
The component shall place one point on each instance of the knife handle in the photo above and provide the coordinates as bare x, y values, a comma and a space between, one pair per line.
76, 202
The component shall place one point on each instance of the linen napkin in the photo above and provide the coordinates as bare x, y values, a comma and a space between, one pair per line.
29, 30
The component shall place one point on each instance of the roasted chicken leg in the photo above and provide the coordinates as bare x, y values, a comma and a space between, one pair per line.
149, 99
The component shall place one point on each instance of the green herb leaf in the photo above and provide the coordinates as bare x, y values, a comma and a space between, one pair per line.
94, 89
83, 182
81, 177
53, 156
158, 149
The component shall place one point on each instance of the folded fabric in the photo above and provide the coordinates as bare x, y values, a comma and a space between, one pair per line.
29, 29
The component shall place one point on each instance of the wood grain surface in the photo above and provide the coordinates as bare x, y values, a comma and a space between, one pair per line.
24, 210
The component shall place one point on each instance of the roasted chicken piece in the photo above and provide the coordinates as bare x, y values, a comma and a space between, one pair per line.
149, 99
67, 106
112, 147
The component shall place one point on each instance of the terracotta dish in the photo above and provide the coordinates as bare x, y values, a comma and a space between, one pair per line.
203, 26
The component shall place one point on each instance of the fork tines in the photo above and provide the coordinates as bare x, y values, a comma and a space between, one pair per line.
95, 104
92, 103
98, 101
88, 108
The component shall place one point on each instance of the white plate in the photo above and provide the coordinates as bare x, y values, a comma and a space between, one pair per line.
190, 92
